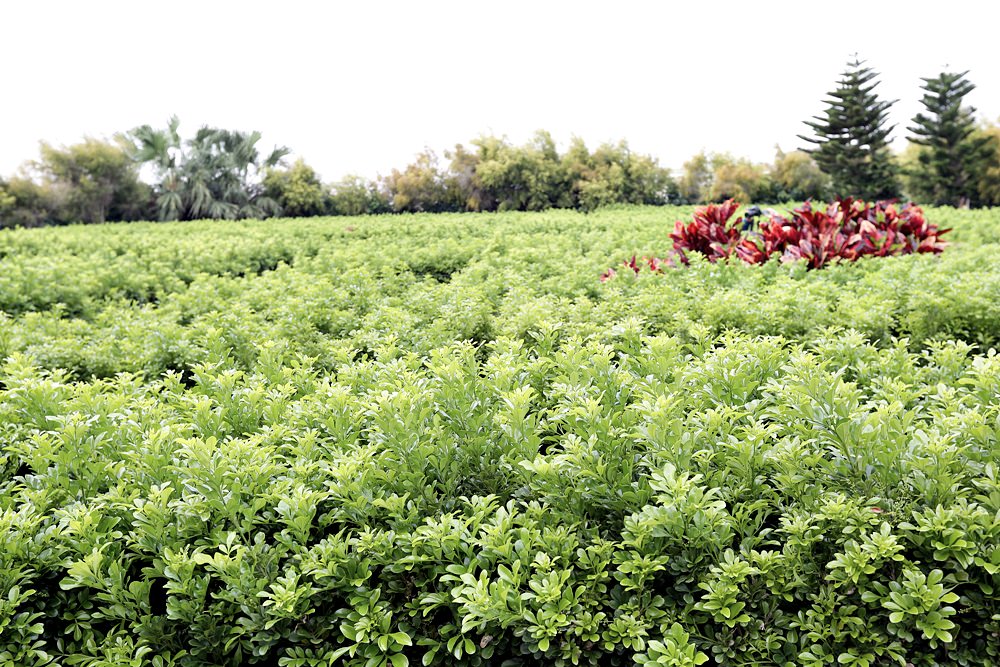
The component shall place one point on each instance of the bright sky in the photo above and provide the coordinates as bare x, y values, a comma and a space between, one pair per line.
361, 87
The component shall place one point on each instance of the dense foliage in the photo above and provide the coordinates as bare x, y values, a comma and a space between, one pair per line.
846, 230
952, 152
91, 182
988, 176
215, 174
297, 190
220, 173
439, 439
852, 137
717, 177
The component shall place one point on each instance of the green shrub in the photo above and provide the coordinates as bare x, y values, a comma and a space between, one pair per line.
430, 440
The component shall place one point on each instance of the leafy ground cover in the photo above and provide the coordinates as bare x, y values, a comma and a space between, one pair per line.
442, 440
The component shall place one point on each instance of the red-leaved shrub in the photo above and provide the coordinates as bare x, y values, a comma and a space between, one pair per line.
846, 230
708, 233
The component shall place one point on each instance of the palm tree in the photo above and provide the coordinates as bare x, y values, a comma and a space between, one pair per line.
216, 174
161, 149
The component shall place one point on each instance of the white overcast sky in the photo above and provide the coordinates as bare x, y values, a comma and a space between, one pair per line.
361, 87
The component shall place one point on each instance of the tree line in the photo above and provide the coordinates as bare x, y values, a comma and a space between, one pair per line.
151, 173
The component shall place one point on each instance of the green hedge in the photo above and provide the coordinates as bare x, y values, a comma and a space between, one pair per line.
441, 440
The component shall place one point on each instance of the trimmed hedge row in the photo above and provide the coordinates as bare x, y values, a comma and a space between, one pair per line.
474, 453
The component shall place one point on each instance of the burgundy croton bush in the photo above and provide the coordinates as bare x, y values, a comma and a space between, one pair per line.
846, 230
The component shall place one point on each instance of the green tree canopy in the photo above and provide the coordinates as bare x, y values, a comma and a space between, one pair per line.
355, 195
739, 179
216, 174
25, 203
988, 174
521, 178
613, 174
696, 178
497, 175
7, 200
297, 190
797, 177
713, 177
951, 151
98, 180
851, 137
423, 187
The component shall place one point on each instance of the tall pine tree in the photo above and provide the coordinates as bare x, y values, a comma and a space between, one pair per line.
952, 151
851, 137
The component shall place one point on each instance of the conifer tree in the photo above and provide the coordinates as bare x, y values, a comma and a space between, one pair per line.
851, 137
952, 151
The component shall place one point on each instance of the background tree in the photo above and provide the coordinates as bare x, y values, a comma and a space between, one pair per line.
851, 137
216, 174
26, 203
354, 195
98, 180
162, 151
464, 170
297, 190
988, 173
613, 174
422, 187
7, 200
648, 182
521, 178
908, 164
797, 177
696, 179
740, 179
713, 177
93, 181
951, 151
